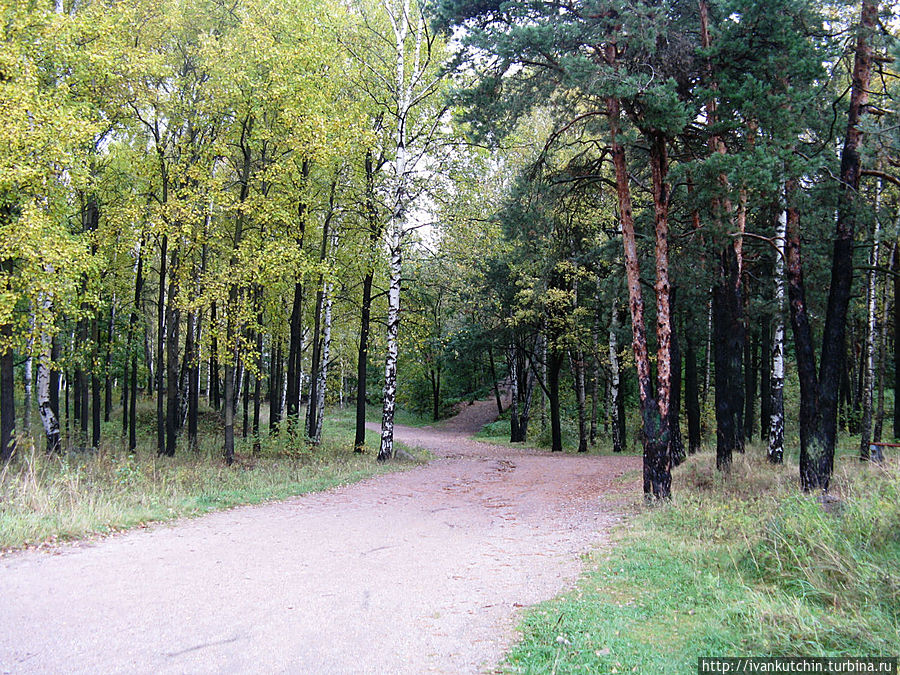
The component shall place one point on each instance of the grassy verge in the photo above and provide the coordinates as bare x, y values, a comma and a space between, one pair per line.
49, 499
735, 566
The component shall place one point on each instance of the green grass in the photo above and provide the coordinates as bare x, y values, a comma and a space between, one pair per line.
48, 499
497, 433
743, 565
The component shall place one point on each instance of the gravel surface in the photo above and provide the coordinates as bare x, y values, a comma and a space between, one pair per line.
412, 572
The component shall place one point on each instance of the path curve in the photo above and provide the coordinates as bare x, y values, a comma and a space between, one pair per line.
412, 572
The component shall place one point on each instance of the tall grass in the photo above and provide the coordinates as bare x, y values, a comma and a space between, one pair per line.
45, 499
736, 565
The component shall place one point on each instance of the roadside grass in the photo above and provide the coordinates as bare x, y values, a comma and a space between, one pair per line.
497, 433
45, 499
734, 566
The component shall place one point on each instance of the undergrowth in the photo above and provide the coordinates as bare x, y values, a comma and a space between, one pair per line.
736, 565
45, 499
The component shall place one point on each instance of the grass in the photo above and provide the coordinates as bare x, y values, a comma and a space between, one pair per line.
44, 499
738, 565
497, 433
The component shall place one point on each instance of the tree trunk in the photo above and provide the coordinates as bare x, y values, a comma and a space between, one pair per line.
691, 394
362, 362
817, 448
765, 378
323, 369
257, 386
312, 409
160, 349
107, 375
173, 329
615, 380
577, 363
275, 381
728, 355
7, 396
865, 427
657, 476
96, 412
775, 394
494, 383
751, 363
514, 394
215, 395
192, 362
896, 266
676, 442
554, 365
27, 380
386, 451
49, 420
882, 350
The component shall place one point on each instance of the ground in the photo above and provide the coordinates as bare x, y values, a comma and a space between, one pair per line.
411, 572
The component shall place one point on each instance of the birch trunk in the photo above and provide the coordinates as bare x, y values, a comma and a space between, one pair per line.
614, 380
45, 408
871, 335
323, 370
775, 452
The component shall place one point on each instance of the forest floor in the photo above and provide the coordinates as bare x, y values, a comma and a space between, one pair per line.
416, 571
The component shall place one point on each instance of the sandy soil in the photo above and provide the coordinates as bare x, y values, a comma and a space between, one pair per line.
412, 572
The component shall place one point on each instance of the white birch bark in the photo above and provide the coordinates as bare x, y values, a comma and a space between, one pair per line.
48, 418
776, 419
28, 378
323, 368
400, 23
871, 328
614, 374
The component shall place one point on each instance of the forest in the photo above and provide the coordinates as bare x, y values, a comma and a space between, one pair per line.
598, 298
654, 224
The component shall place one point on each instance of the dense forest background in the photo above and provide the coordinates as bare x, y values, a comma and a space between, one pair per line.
630, 218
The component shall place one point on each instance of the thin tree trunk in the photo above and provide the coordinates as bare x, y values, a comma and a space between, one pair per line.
871, 337
494, 383
96, 403
27, 379
215, 395
323, 369
554, 365
882, 350
173, 329
676, 442
7, 395
577, 363
615, 381
751, 368
691, 394
160, 349
514, 394
49, 420
775, 451
362, 362
765, 378
107, 376
192, 362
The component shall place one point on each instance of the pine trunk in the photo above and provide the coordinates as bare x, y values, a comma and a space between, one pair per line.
692, 395
729, 333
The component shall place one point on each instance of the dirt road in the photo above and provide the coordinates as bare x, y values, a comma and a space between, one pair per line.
412, 572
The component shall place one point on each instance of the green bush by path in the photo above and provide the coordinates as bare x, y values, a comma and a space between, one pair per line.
736, 566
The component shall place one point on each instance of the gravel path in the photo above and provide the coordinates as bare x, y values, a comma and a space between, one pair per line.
413, 572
